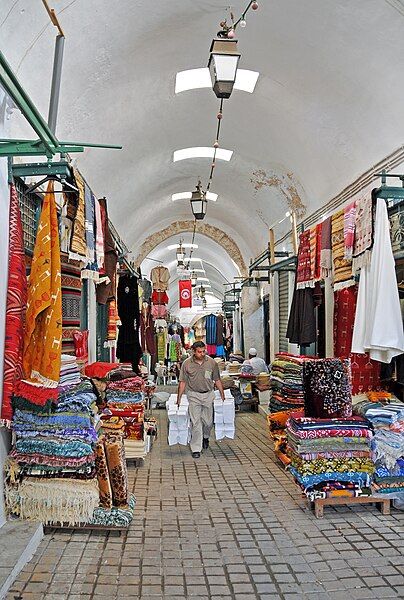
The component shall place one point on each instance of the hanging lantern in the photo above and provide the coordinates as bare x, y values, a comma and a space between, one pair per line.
199, 203
204, 303
202, 292
194, 278
223, 62
180, 255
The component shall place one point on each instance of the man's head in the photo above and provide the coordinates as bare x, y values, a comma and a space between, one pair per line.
252, 353
198, 350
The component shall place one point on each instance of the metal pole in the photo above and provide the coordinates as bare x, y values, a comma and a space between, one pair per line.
56, 81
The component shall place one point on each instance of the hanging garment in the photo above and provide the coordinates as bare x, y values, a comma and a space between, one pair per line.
147, 330
99, 235
43, 334
303, 270
91, 270
15, 309
146, 286
71, 301
112, 328
160, 277
365, 372
78, 248
219, 330
107, 287
128, 345
211, 324
342, 268
378, 323
327, 389
161, 343
159, 311
315, 250
159, 297
302, 328
363, 232
325, 252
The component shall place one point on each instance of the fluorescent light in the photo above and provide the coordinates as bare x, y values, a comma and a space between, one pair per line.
202, 278
199, 270
202, 152
193, 79
187, 259
188, 195
175, 246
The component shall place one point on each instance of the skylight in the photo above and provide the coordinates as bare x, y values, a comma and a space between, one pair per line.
175, 246
202, 152
187, 196
193, 79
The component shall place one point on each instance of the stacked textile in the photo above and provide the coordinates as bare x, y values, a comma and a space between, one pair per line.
286, 383
387, 444
69, 372
277, 431
331, 457
51, 467
263, 382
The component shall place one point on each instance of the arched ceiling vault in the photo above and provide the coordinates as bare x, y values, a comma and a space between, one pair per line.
328, 103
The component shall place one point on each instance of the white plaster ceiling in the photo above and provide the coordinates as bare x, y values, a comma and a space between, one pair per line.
328, 103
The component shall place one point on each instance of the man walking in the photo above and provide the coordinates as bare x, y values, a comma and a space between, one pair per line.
199, 374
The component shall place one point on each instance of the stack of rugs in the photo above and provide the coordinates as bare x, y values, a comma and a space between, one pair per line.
69, 372
286, 383
50, 472
331, 457
125, 400
277, 431
387, 419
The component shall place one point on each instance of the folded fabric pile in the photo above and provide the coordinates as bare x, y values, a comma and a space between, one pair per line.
69, 372
331, 456
286, 382
263, 382
277, 431
387, 420
51, 468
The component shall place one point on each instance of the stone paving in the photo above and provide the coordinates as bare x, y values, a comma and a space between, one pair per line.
229, 525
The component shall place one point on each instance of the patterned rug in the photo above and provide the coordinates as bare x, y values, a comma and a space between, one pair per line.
71, 299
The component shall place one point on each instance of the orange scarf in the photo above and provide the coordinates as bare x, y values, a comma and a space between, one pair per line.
43, 335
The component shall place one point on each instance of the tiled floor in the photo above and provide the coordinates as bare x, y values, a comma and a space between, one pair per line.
230, 525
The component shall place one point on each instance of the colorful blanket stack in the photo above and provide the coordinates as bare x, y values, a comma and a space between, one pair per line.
69, 372
277, 431
331, 457
51, 468
287, 383
387, 444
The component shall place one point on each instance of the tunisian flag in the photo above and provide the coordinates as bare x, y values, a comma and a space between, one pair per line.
185, 288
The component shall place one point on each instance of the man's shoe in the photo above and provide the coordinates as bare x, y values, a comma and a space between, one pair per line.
196, 454
205, 443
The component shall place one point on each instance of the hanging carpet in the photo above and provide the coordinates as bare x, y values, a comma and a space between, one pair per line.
71, 300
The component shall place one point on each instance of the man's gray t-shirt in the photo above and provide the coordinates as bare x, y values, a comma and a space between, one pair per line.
199, 377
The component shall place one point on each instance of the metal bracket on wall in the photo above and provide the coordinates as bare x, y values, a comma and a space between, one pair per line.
47, 144
393, 195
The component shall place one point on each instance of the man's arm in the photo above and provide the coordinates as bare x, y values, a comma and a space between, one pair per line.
219, 385
181, 390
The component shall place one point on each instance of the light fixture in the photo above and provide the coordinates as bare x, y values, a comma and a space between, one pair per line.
202, 152
199, 271
175, 246
193, 279
201, 291
223, 63
188, 259
204, 303
180, 255
203, 279
199, 203
188, 196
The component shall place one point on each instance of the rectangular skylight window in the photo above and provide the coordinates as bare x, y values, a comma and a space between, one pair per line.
187, 196
202, 152
193, 79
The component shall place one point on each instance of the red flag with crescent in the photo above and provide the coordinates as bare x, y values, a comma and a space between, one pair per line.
185, 289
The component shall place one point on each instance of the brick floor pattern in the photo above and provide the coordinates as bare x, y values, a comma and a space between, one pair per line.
229, 525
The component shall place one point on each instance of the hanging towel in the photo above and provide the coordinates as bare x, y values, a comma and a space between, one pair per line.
363, 233
378, 325
15, 309
349, 229
91, 269
342, 268
303, 272
325, 253
315, 248
99, 235
106, 288
78, 249
43, 334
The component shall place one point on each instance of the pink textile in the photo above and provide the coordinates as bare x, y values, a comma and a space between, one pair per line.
349, 229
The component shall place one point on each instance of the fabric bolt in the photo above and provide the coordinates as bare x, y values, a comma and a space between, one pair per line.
201, 415
43, 334
71, 301
128, 343
303, 270
160, 277
15, 309
106, 286
104, 483
325, 251
363, 232
99, 235
78, 248
378, 327
118, 474
349, 230
365, 371
342, 268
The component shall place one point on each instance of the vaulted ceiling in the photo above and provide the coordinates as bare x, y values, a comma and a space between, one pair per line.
328, 103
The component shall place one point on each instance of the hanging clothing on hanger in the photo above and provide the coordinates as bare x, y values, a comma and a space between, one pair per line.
160, 277
128, 344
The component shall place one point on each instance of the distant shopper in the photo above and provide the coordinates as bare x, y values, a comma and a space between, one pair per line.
198, 376
258, 364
